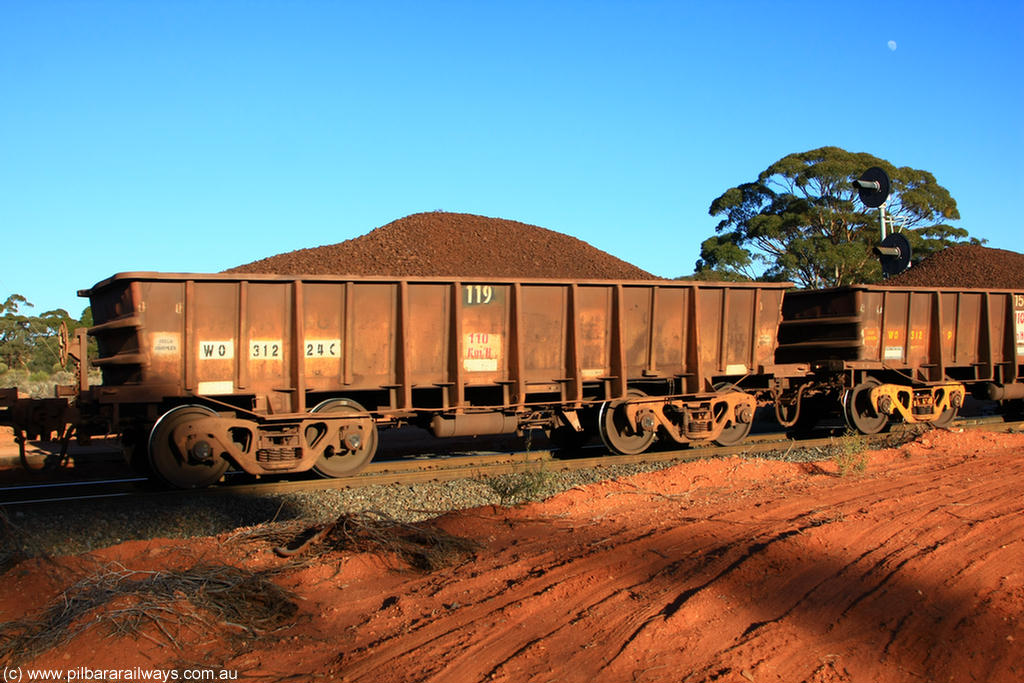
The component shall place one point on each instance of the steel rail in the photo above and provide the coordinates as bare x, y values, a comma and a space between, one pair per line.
454, 467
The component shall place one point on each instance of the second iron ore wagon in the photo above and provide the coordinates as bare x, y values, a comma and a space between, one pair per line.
907, 353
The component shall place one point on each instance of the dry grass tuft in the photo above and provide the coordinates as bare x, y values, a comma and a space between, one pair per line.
421, 546
274, 533
124, 601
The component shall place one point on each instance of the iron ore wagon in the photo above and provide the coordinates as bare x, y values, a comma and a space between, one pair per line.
286, 374
906, 353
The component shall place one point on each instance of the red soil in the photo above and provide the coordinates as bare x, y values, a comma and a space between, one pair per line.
727, 570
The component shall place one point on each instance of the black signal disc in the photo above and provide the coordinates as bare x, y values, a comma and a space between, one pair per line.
894, 264
870, 196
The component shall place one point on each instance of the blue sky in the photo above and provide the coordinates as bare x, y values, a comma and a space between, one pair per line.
195, 136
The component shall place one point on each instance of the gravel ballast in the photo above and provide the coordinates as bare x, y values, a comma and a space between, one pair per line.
82, 526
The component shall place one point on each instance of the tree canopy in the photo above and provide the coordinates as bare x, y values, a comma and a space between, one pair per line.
29, 342
800, 220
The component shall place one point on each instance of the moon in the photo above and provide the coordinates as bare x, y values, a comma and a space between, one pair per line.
892, 45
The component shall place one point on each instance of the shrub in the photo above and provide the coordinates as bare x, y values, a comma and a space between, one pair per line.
850, 453
518, 488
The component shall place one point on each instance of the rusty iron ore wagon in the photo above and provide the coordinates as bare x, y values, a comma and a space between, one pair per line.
282, 374
906, 353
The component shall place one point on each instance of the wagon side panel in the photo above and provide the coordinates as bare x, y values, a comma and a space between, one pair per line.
668, 352
767, 316
162, 332
483, 334
323, 342
543, 335
428, 339
636, 327
594, 306
737, 331
370, 334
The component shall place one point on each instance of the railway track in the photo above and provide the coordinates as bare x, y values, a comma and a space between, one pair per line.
453, 467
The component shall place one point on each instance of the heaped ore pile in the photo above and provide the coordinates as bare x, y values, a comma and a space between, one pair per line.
454, 245
966, 265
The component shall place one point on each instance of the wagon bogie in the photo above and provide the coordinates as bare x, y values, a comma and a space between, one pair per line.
937, 404
336, 439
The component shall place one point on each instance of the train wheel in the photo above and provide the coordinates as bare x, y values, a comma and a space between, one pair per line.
617, 433
362, 447
736, 431
859, 413
177, 468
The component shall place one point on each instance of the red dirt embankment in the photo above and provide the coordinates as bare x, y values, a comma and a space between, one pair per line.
731, 570
442, 244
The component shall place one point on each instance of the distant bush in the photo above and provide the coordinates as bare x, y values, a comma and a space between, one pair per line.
41, 384
30, 342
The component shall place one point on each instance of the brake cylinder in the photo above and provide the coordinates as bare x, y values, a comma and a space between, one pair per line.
473, 424
1003, 392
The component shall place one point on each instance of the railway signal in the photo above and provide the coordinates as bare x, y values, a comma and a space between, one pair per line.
893, 251
873, 187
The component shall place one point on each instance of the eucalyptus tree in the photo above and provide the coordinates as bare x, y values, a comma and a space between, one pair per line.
800, 220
